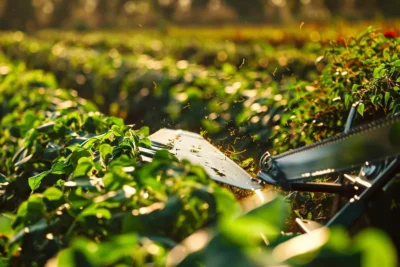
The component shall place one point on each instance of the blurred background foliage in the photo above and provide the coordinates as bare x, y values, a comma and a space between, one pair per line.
94, 14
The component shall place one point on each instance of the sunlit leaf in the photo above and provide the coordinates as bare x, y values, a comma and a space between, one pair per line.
35, 181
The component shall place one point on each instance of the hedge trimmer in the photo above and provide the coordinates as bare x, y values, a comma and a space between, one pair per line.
373, 148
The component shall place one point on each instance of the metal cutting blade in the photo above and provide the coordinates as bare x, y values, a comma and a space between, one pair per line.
367, 143
193, 147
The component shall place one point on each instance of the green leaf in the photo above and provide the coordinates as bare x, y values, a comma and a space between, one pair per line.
227, 206
145, 141
379, 72
144, 131
85, 252
273, 212
360, 109
93, 211
35, 181
88, 143
58, 168
347, 99
373, 99
355, 87
84, 166
116, 121
79, 153
364, 33
117, 130
30, 211
5, 225
267, 219
391, 106
386, 55
387, 98
53, 193
164, 156
247, 231
396, 63
377, 249
70, 257
116, 179
339, 239
211, 126
105, 150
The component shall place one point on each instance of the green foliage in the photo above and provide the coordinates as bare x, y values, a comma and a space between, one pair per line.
228, 91
365, 68
78, 173
74, 188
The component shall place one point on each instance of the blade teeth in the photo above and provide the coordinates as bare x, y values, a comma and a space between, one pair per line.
360, 129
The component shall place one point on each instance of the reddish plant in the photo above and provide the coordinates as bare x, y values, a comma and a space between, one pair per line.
390, 34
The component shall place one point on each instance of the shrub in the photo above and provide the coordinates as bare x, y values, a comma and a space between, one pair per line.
365, 68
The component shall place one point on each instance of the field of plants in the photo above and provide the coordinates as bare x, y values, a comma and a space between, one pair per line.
76, 106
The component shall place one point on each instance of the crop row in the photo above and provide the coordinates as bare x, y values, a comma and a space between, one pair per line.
190, 43
207, 50
234, 104
244, 105
68, 171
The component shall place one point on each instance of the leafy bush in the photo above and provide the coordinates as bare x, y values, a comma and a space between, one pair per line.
365, 68
70, 171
